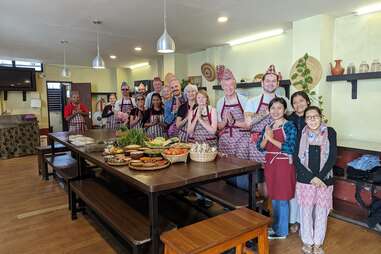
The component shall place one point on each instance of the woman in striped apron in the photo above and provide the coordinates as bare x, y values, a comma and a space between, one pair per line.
202, 121
153, 120
190, 92
136, 115
75, 113
279, 141
109, 113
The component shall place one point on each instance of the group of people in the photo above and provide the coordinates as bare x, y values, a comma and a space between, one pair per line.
296, 147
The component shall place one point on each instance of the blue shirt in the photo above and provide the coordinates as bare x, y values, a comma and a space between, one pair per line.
288, 146
169, 115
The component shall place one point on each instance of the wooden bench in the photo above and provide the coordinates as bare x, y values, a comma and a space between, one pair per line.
42, 152
131, 225
226, 194
218, 234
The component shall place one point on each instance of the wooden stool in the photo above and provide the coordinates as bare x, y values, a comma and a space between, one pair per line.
64, 167
220, 233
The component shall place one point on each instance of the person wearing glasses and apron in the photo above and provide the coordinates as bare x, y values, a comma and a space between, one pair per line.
153, 120
137, 113
172, 106
75, 113
124, 105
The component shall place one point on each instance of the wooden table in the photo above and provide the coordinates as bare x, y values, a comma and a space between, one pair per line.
156, 183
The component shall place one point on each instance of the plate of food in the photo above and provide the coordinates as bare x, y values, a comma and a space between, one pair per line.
110, 150
149, 163
117, 160
161, 142
181, 145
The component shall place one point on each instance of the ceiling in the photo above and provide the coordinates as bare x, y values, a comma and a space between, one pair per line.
34, 29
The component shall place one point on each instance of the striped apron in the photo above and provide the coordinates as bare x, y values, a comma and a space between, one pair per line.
156, 130
255, 132
112, 122
201, 135
233, 140
77, 124
139, 124
125, 107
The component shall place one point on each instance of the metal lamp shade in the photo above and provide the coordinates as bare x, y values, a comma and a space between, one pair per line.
65, 72
98, 62
165, 44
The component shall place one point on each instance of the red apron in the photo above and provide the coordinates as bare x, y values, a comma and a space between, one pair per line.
279, 170
234, 140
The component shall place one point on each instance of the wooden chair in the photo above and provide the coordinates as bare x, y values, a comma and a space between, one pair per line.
44, 151
218, 234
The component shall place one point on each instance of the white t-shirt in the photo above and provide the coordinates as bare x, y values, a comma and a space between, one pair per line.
253, 103
220, 104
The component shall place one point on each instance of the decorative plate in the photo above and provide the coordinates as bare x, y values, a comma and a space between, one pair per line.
208, 71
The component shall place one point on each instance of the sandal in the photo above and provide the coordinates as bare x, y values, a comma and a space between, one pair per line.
318, 249
307, 249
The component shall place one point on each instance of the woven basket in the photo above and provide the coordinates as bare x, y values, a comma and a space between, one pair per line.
203, 157
176, 158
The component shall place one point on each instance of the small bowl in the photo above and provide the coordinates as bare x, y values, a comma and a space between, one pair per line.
136, 155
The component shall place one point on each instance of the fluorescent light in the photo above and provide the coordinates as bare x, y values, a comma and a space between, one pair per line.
138, 49
369, 9
256, 37
113, 56
139, 65
222, 19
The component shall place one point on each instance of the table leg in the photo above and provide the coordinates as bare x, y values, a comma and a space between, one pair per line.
79, 165
154, 219
252, 190
52, 147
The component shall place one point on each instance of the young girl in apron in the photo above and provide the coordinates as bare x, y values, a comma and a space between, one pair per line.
202, 125
278, 140
153, 120
190, 92
136, 115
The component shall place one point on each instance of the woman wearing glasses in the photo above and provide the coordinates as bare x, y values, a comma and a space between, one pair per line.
136, 115
314, 159
109, 113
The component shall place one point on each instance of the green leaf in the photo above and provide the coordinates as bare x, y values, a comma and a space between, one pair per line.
294, 76
300, 70
313, 93
305, 57
300, 61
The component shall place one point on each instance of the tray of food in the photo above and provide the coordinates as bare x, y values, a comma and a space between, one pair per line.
149, 163
161, 142
117, 160
111, 149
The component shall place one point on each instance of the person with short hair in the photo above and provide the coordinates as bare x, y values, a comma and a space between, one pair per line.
157, 85
124, 105
190, 92
172, 106
314, 159
75, 113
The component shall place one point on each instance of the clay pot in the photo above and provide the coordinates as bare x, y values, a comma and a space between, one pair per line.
338, 69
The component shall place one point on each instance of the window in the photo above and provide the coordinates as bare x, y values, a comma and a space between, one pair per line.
27, 64
6, 63
36, 65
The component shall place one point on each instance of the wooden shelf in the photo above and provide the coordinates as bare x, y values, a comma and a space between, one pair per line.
283, 83
353, 78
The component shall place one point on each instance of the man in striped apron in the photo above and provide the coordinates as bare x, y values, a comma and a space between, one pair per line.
75, 113
172, 106
124, 105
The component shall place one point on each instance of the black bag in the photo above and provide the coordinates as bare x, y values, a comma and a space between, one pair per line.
374, 209
372, 176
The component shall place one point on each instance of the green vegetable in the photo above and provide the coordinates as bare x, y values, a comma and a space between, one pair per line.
132, 137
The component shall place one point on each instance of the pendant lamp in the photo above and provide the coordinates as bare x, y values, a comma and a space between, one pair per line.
165, 44
65, 71
98, 62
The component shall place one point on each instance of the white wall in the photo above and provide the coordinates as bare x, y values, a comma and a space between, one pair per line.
357, 38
